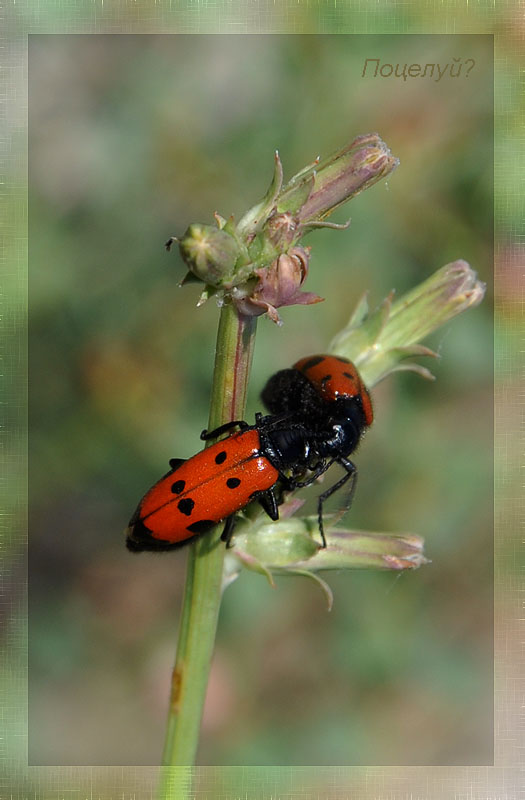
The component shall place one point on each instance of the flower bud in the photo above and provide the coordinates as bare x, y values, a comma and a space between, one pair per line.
292, 547
294, 543
380, 342
209, 253
315, 193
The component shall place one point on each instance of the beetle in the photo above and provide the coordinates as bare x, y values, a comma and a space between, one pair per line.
328, 394
254, 463
312, 425
315, 381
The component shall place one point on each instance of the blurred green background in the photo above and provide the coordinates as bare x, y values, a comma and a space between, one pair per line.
131, 138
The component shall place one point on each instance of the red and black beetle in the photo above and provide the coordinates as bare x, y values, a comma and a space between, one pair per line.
319, 410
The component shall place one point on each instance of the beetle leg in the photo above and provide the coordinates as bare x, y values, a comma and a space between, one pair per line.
227, 531
238, 423
316, 473
268, 502
175, 463
351, 474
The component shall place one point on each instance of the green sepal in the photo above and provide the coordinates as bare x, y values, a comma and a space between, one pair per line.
359, 313
254, 565
190, 277
362, 331
206, 293
254, 219
293, 199
220, 220
304, 573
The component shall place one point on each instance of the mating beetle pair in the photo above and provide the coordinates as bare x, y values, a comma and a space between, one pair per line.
319, 410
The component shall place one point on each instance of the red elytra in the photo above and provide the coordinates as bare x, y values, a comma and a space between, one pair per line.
200, 492
334, 377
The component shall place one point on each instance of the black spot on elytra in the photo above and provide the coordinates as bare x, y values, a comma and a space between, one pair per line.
312, 362
220, 458
349, 375
201, 526
186, 506
178, 487
232, 483
325, 379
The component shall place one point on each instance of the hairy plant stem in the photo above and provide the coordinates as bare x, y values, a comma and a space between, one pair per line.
202, 594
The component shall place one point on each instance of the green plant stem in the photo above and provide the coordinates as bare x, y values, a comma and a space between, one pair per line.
202, 594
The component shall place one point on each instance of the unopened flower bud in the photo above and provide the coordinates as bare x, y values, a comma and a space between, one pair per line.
209, 253
292, 547
315, 193
382, 341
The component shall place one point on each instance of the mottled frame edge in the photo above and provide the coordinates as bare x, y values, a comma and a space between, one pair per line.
502, 780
